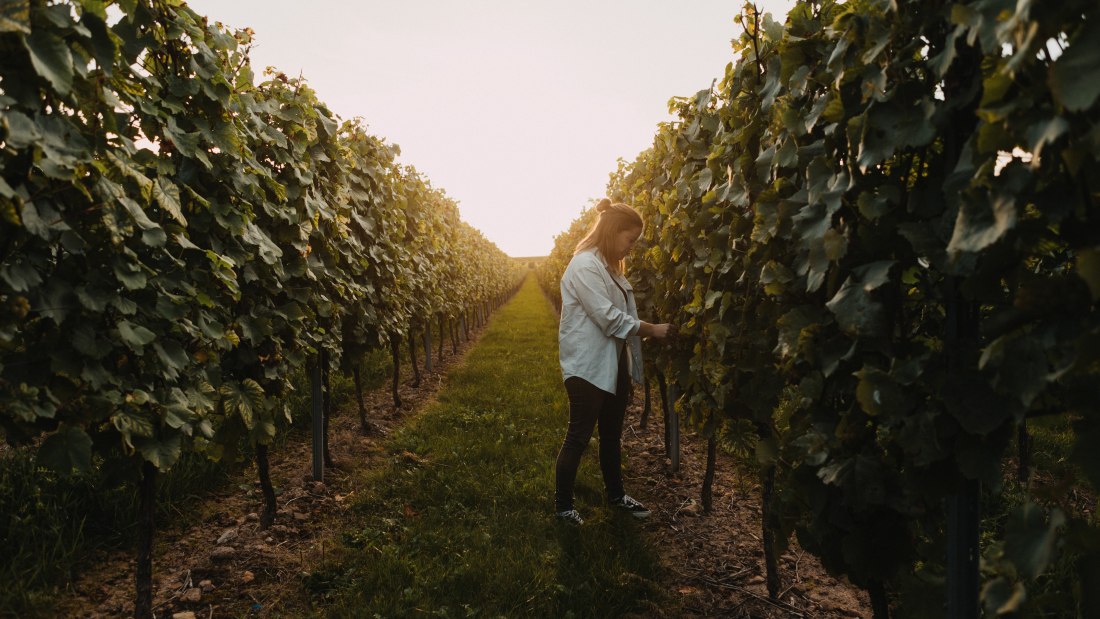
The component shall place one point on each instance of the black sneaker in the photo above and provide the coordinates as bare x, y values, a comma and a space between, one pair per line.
636, 509
570, 516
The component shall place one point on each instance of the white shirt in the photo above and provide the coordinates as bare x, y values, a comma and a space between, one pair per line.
596, 321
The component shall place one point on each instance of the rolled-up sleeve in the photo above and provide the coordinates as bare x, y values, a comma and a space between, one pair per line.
589, 289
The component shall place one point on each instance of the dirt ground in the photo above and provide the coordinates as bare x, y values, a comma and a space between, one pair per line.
225, 566
714, 563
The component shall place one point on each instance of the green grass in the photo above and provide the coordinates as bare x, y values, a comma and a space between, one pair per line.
460, 523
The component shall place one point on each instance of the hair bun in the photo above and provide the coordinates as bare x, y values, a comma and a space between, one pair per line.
603, 205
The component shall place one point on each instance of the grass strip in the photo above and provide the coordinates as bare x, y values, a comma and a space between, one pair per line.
460, 521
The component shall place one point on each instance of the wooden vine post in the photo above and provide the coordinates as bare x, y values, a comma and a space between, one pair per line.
143, 575
708, 476
428, 347
674, 427
326, 406
395, 352
318, 421
364, 427
412, 358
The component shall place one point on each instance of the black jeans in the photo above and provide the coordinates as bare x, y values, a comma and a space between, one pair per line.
590, 406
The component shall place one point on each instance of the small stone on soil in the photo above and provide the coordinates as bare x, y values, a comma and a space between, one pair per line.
228, 536
223, 553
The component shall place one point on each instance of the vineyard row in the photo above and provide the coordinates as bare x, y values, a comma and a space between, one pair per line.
879, 233
176, 240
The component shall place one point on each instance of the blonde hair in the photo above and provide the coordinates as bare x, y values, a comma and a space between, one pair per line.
611, 219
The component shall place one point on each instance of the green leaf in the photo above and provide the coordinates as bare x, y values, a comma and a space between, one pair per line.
1075, 76
1030, 538
244, 399
103, 46
125, 306
942, 61
167, 196
874, 274
1019, 366
873, 205
130, 275
22, 277
154, 237
84, 340
878, 393
137, 213
95, 299
263, 432
855, 310
184, 242
129, 170
860, 478
269, 251
186, 143
177, 416
993, 137
161, 452
15, 16
172, 355
789, 331
34, 223
772, 84
982, 222
1042, 133
68, 449
833, 109
51, 58
21, 130
702, 181
881, 36
775, 276
135, 336
712, 297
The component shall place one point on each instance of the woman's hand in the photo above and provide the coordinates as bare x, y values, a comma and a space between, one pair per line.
664, 330
658, 331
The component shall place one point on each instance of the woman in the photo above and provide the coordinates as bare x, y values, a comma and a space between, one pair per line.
600, 350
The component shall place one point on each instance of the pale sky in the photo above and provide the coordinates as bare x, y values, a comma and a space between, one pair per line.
518, 110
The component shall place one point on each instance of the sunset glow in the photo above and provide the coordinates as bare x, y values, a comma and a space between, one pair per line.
518, 110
